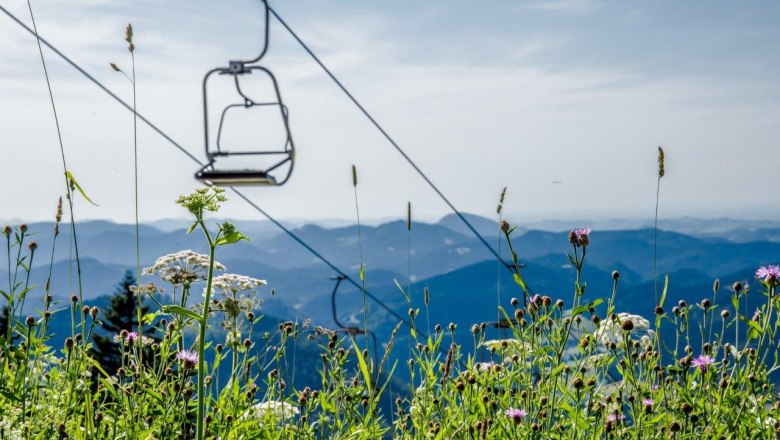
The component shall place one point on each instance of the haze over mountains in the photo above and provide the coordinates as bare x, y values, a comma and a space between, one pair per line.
442, 256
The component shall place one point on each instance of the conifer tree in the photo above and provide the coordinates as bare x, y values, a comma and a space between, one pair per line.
121, 315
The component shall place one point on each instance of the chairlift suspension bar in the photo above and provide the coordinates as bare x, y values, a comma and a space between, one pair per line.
196, 160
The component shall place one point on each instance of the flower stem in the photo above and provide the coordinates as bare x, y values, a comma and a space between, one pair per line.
202, 336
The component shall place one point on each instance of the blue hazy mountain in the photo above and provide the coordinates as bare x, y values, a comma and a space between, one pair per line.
465, 282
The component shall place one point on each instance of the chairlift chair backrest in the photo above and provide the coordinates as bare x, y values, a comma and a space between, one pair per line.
283, 155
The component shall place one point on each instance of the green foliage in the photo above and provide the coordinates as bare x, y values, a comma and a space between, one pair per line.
121, 315
577, 372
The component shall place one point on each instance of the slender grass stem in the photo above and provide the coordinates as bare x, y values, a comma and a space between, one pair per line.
64, 165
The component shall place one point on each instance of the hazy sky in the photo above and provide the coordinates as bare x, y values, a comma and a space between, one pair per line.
481, 94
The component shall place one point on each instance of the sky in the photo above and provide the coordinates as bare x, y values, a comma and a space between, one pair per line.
564, 102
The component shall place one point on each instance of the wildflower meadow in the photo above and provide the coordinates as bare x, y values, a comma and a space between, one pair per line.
194, 357
565, 368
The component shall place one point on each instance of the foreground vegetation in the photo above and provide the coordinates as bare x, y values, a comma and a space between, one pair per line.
565, 368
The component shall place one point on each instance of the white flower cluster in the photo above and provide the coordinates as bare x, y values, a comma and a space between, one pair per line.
610, 331
273, 408
508, 347
230, 283
130, 341
183, 267
486, 367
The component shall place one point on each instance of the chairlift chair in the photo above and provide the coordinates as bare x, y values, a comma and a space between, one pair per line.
284, 155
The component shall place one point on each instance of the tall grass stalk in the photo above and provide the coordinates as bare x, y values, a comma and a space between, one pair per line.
500, 262
661, 173
360, 247
69, 182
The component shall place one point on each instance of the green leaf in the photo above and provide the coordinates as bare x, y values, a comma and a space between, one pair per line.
735, 302
519, 281
362, 273
9, 396
76, 185
585, 307
192, 227
179, 310
230, 238
755, 330
663, 293
406, 297
149, 317
363, 366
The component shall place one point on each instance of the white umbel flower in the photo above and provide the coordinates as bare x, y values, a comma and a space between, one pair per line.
183, 267
273, 408
231, 283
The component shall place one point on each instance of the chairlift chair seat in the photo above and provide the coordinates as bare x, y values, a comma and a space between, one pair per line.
244, 177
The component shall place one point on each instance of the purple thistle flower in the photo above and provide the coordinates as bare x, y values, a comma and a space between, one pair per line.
769, 275
702, 362
131, 337
516, 414
615, 417
647, 402
187, 358
580, 237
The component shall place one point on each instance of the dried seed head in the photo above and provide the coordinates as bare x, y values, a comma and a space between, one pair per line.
661, 162
58, 217
115, 67
354, 176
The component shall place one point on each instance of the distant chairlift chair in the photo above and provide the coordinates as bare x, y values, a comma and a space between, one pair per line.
210, 174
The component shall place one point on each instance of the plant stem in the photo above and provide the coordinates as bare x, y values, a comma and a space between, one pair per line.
202, 335
64, 164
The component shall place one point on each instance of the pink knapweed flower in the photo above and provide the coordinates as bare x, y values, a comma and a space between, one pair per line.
647, 402
131, 337
580, 237
615, 417
516, 414
702, 362
187, 358
769, 275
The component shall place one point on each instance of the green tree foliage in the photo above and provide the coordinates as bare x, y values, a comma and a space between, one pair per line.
121, 315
